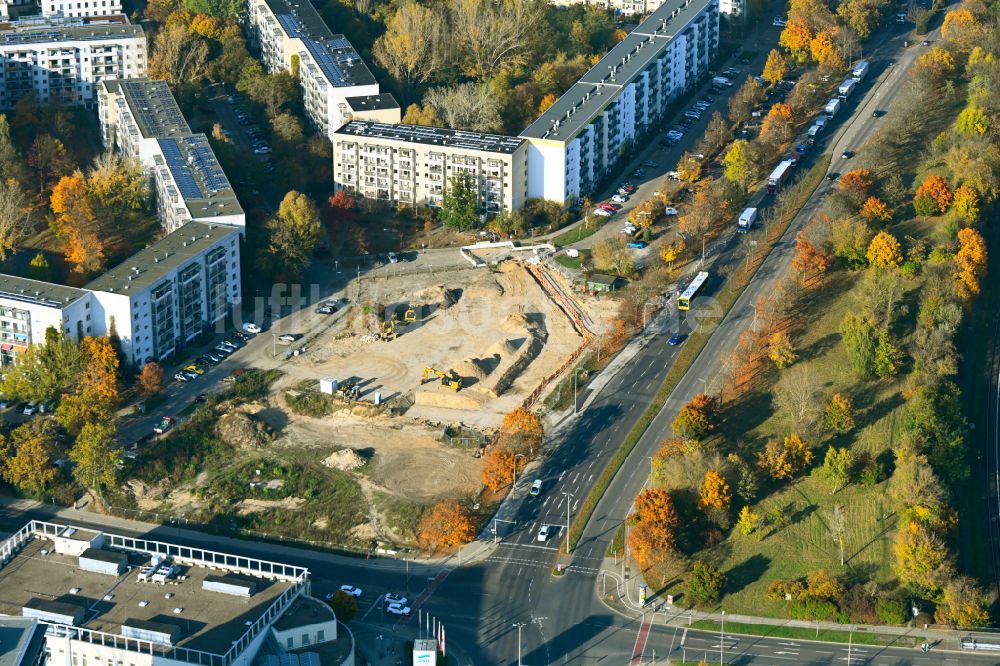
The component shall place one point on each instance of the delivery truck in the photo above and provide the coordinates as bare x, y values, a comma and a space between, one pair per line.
860, 70
846, 88
747, 218
832, 107
779, 176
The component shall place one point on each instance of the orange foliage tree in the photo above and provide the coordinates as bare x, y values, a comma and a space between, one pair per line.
884, 251
150, 379
654, 505
932, 196
696, 419
875, 210
808, 257
796, 37
654, 527
970, 262
499, 465
96, 395
448, 524
856, 180
76, 224
715, 491
785, 460
777, 125
522, 430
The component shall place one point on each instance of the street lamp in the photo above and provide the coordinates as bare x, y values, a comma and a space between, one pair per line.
722, 637
650, 471
519, 625
576, 373
644, 306
568, 496
703, 237
516, 456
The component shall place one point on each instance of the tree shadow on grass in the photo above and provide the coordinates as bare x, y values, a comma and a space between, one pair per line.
747, 572
879, 410
746, 414
820, 347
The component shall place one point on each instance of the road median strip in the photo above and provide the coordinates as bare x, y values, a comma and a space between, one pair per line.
858, 637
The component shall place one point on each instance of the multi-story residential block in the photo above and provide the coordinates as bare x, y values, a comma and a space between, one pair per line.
291, 36
161, 603
168, 294
579, 139
413, 165
81, 8
140, 118
63, 60
28, 308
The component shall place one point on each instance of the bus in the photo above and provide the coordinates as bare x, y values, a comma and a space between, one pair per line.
684, 298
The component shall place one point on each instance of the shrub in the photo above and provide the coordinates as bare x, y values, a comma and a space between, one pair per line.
891, 611
811, 608
308, 403
343, 605
705, 583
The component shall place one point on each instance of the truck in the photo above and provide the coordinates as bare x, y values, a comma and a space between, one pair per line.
779, 176
846, 88
821, 123
814, 132
860, 70
832, 107
747, 218
721, 82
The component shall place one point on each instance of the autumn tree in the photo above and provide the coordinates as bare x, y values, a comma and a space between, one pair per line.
45, 371
849, 239
448, 524
776, 67
836, 469
413, 46
884, 251
696, 419
522, 430
294, 232
95, 454
467, 106
809, 258
839, 414
936, 65
739, 164
494, 36
972, 122
876, 211
921, 558
717, 134
705, 583
797, 38
745, 100
970, 262
715, 491
778, 127
48, 160
654, 527
933, 196
966, 203
748, 521
786, 459
179, 56
76, 224
28, 463
855, 187
95, 396
780, 349
611, 255
963, 604
150, 380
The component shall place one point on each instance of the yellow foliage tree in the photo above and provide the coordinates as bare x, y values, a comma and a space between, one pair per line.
796, 37
875, 210
970, 262
780, 350
966, 203
785, 460
776, 67
884, 251
546, 102
715, 491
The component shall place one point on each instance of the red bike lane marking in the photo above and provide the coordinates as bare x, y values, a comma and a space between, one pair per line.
640, 643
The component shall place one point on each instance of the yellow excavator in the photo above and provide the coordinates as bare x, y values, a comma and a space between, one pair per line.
388, 330
451, 379
411, 314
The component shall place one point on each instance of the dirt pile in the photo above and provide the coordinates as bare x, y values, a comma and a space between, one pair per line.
243, 431
345, 460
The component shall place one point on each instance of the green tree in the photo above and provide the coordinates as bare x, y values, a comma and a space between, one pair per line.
934, 422
460, 207
860, 338
29, 465
705, 583
295, 232
887, 356
739, 164
95, 454
836, 470
44, 371
344, 606
11, 163
39, 268
221, 9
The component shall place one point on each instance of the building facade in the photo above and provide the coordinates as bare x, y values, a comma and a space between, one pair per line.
28, 308
291, 36
171, 292
81, 8
140, 118
64, 59
579, 139
413, 165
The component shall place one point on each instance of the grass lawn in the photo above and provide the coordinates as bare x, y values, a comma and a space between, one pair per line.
804, 633
580, 232
575, 263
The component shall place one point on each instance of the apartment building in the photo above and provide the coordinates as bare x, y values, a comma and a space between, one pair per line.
81, 8
412, 165
166, 295
28, 308
140, 118
62, 59
579, 139
290, 35
161, 603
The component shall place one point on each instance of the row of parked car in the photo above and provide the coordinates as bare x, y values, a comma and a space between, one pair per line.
210, 358
691, 116
395, 604
258, 143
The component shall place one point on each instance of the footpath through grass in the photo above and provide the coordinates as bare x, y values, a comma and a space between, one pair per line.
805, 633
725, 299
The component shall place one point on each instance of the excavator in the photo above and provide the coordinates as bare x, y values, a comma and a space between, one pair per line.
451, 379
388, 330
411, 314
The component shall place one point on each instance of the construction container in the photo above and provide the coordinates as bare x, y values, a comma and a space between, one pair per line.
328, 385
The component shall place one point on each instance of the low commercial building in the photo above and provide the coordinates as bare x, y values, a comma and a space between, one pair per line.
140, 118
579, 139
168, 294
156, 611
28, 308
63, 59
291, 36
413, 165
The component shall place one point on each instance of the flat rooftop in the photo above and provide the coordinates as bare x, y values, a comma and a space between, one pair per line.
152, 105
304, 611
596, 89
149, 266
34, 292
20, 637
198, 176
34, 30
433, 136
334, 53
208, 621
378, 102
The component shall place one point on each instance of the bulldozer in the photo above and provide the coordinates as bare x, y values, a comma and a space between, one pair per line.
451, 379
388, 331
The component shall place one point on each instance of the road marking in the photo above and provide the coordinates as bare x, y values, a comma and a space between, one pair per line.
640, 642
427, 592
372, 607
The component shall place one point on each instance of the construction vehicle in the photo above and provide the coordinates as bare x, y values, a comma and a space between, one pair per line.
411, 314
388, 330
348, 390
451, 379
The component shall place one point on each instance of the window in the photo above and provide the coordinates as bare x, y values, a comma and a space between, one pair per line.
305, 639
320, 636
291, 642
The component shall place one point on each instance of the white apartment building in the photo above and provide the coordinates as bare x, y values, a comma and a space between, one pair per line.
140, 118
162, 603
28, 308
330, 71
65, 59
413, 165
81, 8
168, 294
578, 140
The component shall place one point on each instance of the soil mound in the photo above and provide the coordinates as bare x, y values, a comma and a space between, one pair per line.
243, 431
345, 460
471, 368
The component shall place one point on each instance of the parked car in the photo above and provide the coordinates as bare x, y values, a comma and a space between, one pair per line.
669, 210
847, 154
325, 309
229, 379
351, 590
628, 187
639, 245
393, 258
165, 424
391, 598
601, 212
196, 369
620, 198
650, 163
398, 609
288, 337
223, 349
181, 377
30, 408
250, 327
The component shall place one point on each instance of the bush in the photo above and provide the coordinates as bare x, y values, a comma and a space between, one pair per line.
811, 608
891, 611
344, 606
309, 404
705, 583
858, 605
